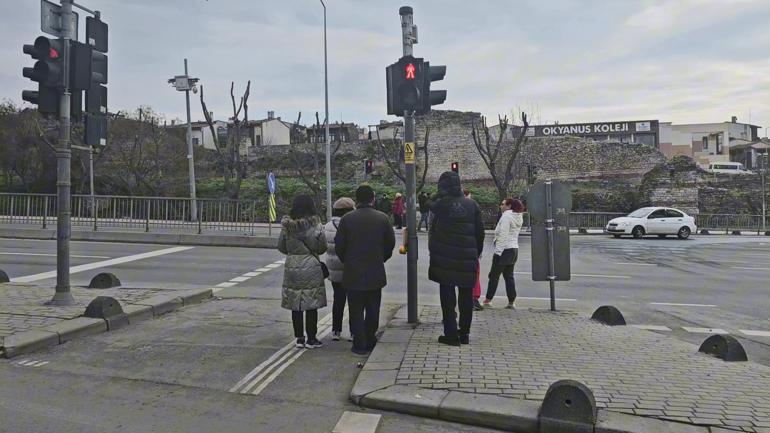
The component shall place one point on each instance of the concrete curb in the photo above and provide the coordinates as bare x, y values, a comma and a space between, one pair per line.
147, 238
376, 388
37, 339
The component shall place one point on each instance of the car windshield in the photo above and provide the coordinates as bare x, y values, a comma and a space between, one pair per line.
640, 213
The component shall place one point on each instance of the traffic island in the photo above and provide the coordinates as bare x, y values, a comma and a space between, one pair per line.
638, 381
27, 324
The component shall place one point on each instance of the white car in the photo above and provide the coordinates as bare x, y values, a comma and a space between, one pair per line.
661, 221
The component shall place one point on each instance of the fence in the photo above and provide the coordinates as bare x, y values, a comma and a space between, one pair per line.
161, 213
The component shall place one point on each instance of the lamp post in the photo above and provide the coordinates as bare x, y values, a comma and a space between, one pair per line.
184, 83
328, 145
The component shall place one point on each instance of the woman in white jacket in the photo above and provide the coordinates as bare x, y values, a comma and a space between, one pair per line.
506, 250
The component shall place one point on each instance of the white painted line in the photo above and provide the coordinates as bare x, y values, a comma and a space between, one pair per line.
585, 275
239, 279
635, 264
258, 368
53, 255
273, 265
540, 299
704, 330
673, 304
357, 422
26, 363
254, 382
652, 327
262, 270
225, 285
215, 289
40, 363
280, 262
755, 333
749, 269
102, 264
252, 274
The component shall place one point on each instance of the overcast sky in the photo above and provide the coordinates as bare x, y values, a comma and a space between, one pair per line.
685, 61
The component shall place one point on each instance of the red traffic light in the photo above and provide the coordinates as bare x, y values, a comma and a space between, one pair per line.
369, 166
455, 167
410, 71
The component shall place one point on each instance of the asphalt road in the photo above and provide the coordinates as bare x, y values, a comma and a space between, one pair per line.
182, 372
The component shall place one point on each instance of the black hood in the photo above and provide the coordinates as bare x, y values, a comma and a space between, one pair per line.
449, 184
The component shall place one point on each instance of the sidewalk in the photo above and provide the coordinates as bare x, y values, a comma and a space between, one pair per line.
27, 324
641, 381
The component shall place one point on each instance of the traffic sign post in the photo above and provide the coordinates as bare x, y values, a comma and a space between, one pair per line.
549, 204
271, 203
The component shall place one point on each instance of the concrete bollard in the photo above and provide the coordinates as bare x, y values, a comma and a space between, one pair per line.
4, 277
737, 232
109, 309
568, 406
609, 315
104, 280
724, 347
582, 231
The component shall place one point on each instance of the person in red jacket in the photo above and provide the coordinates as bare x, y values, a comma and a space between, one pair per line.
398, 211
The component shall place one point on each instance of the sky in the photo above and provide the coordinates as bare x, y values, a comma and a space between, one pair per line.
682, 61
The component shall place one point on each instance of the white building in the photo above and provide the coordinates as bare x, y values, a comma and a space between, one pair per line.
706, 142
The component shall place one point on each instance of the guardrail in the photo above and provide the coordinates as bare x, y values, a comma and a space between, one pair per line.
155, 213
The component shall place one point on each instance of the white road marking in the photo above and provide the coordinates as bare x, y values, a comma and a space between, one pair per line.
239, 279
749, 269
53, 255
282, 261
673, 304
102, 264
225, 285
652, 327
272, 265
755, 333
635, 264
584, 275
215, 289
704, 330
262, 270
357, 422
252, 274
540, 299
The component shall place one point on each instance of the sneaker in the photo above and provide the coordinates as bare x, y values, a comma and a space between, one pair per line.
449, 341
313, 343
477, 306
465, 339
336, 335
510, 306
487, 303
300, 343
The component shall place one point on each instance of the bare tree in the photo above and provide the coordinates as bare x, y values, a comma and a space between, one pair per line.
234, 165
391, 151
500, 157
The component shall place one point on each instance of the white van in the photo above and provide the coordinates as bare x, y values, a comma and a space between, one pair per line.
727, 168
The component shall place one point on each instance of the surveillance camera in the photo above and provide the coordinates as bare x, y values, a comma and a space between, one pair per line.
195, 89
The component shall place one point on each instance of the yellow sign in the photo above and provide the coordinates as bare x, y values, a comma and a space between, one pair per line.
271, 208
409, 152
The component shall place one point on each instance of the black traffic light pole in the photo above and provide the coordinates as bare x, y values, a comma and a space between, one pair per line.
409, 37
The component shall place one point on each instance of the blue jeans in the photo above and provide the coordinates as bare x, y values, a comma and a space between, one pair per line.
423, 219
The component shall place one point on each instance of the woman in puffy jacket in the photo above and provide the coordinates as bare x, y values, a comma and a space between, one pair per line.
302, 240
340, 208
506, 250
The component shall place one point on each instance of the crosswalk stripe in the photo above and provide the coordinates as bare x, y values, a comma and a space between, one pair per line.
252, 274
652, 327
751, 333
239, 279
226, 285
704, 330
357, 422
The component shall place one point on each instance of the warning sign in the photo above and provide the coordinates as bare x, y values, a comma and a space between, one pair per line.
409, 152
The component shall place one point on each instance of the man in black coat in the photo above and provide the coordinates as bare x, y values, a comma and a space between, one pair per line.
364, 242
455, 243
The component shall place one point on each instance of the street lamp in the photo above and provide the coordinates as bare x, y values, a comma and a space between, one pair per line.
328, 145
184, 83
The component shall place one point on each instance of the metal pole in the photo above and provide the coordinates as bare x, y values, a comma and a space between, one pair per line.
63, 296
762, 179
91, 179
190, 161
411, 216
328, 144
549, 233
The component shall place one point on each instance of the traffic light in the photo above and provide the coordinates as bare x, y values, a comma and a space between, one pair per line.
48, 72
431, 97
531, 174
90, 74
455, 167
368, 166
404, 85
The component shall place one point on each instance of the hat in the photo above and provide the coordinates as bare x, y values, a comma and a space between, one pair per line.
344, 203
398, 194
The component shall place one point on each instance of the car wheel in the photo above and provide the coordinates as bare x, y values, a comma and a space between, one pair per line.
616, 236
683, 233
662, 236
637, 232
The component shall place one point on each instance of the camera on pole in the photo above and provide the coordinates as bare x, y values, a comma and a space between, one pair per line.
48, 72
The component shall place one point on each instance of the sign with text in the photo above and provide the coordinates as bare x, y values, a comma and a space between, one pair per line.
580, 129
409, 152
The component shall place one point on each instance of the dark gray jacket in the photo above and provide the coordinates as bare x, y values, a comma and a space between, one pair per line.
364, 242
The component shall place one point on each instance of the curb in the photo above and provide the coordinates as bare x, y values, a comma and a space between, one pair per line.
37, 339
376, 388
147, 238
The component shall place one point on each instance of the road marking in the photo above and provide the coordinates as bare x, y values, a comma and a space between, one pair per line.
540, 299
704, 330
635, 264
252, 274
681, 305
102, 264
31, 363
749, 269
357, 422
652, 327
239, 279
272, 265
53, 255
755, 333
262, 270
584, 275
225, 285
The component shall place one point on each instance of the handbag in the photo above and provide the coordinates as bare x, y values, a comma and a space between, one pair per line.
324, 268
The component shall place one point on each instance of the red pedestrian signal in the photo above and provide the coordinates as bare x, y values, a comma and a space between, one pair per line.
455, 167
368, 167
410, 71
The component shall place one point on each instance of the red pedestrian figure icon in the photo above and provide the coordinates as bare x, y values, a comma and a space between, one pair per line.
410, 71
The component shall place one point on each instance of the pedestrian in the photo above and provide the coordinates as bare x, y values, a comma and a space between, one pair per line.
363, 243
302, 240
342, 206
398, 211
455, 245
506, 250
383, 205
423, 201
477, 287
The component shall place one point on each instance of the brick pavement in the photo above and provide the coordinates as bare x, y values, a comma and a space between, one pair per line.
518, 354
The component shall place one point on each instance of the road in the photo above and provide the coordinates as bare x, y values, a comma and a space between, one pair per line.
225, 365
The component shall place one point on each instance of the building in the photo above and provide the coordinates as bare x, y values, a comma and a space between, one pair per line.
338, 132
707, 142
386, 130
643, 132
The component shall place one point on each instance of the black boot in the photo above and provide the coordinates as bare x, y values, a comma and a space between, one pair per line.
449, 341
